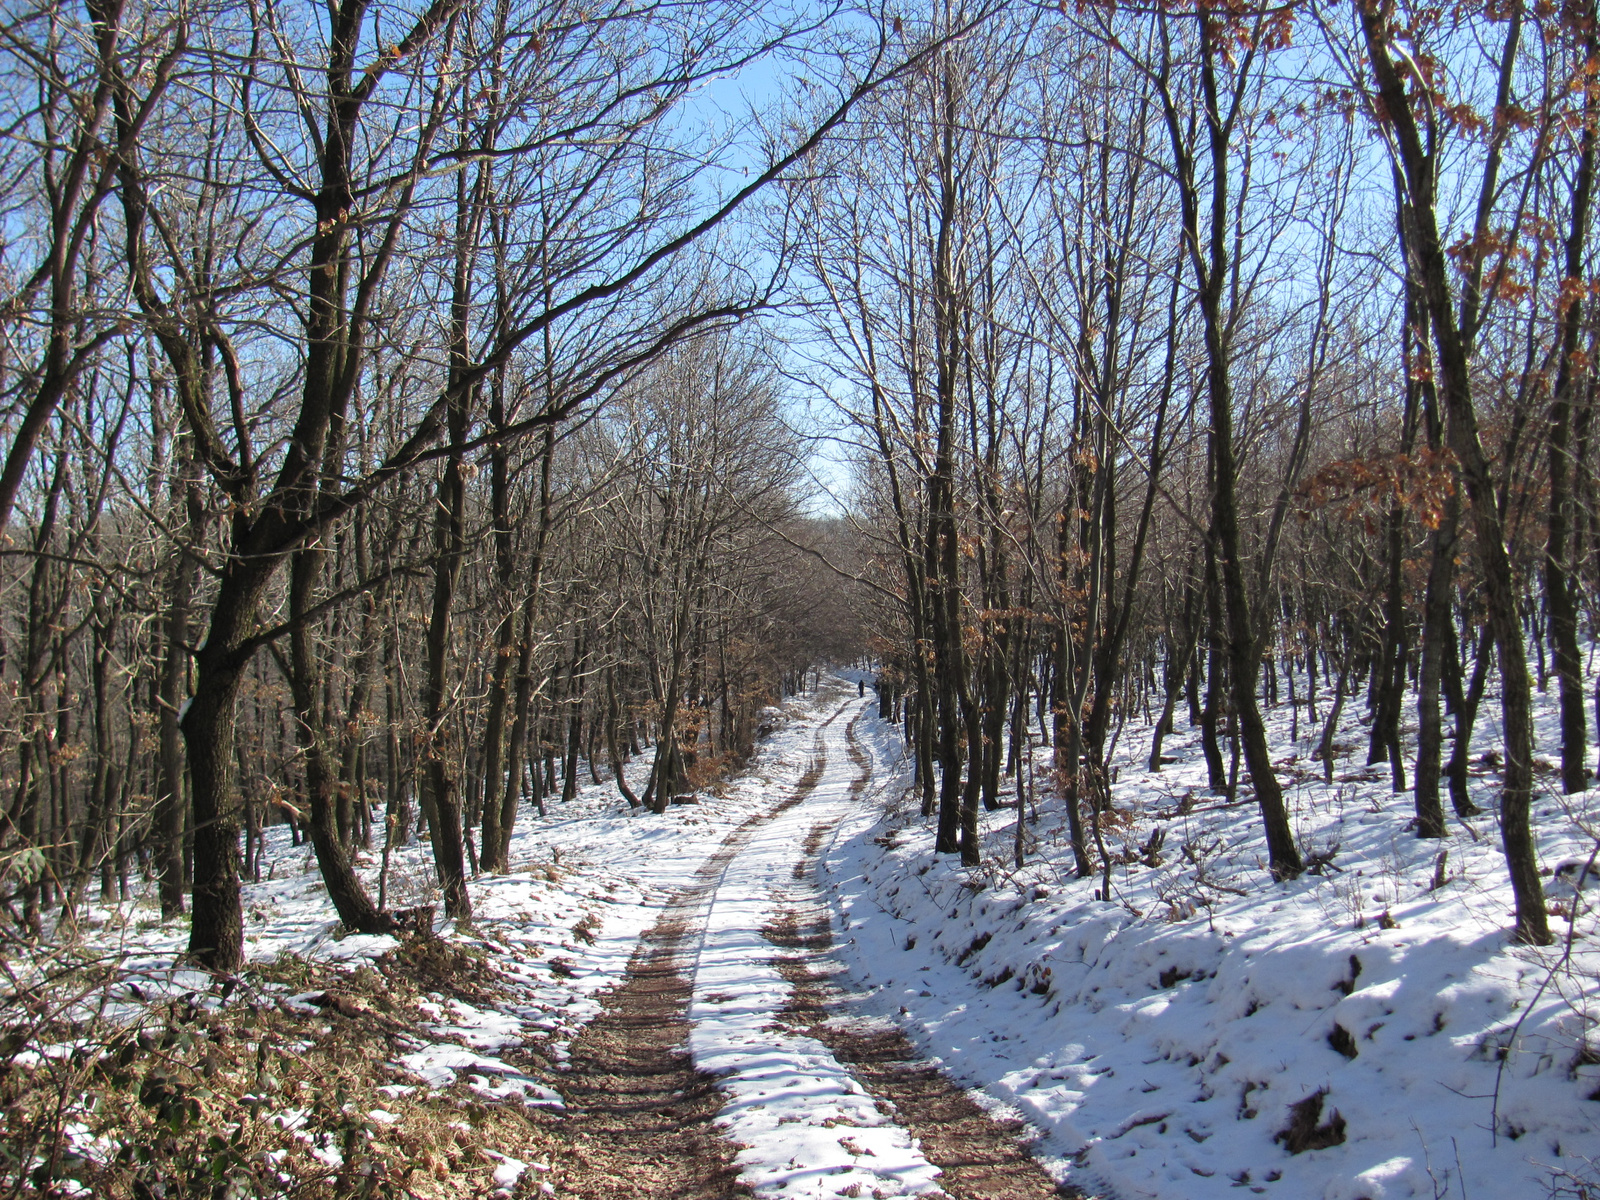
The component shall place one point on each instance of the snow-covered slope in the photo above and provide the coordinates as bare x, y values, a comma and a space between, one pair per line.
1165, 1041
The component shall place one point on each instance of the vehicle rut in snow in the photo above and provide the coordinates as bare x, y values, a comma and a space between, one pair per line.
639, 1116
979, 1157
642, 1121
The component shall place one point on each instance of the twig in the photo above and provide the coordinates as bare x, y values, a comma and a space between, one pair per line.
1566, 956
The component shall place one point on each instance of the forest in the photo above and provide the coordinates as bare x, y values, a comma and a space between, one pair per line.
419, 417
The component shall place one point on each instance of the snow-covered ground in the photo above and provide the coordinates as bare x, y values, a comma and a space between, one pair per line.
1161, 1040
561, 926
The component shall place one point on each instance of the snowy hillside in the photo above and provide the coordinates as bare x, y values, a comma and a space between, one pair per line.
1367, 1031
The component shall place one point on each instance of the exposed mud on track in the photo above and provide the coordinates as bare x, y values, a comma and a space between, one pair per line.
642, 1122
640, 1119
980, 1158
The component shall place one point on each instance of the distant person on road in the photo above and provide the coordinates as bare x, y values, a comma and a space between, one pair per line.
861, 687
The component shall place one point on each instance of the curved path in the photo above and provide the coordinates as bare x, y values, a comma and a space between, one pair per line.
788, 1092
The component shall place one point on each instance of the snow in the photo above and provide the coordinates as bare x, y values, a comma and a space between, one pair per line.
586, 881
1157, 1041
804, 1126
484, 1029
439, 1064
508, 1172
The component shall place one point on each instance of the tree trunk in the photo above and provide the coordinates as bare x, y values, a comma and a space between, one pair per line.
442, 796
1067, 732
1435, 634
1560, 594
1244, 648
575, 694
516, 744
1216, 677
1434, 273
1176, 668
173, 680
345, 889
1464, 704
1389, 676
216, 928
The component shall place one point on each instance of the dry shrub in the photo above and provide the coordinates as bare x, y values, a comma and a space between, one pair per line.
412, 882
1306, 1130
431, 964
237, 1092
707, 769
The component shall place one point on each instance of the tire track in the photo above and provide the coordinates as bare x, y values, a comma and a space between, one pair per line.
980, 1158
640, 1119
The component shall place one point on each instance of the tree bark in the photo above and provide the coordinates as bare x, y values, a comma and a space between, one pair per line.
1453, 339
1435, 633
170, 815
1216, 679
216, 928
1560, 594
345, 889
1209, 254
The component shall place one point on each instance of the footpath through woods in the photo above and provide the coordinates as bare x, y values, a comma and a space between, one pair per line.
729, 1059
